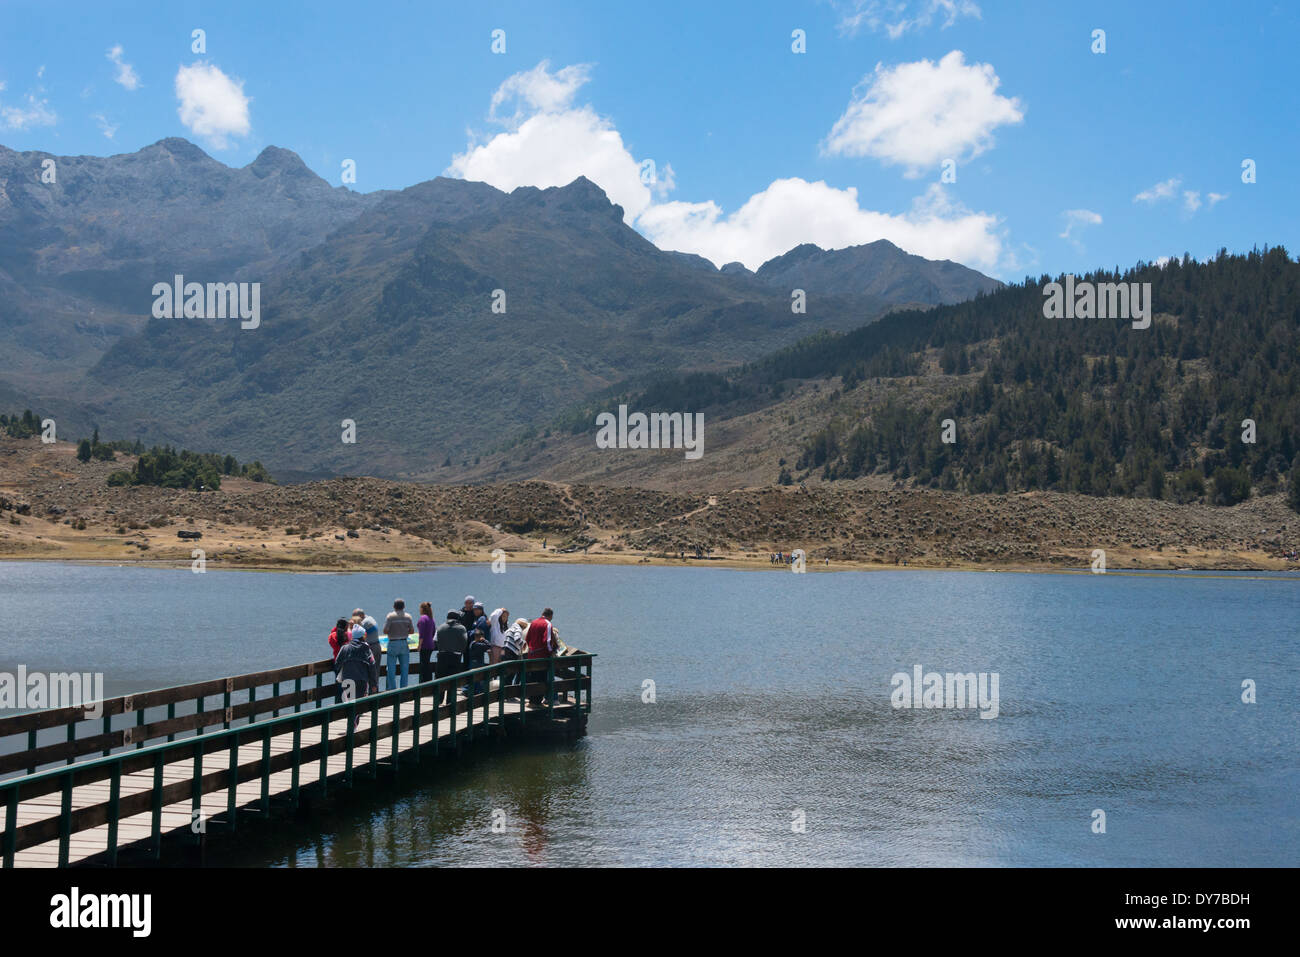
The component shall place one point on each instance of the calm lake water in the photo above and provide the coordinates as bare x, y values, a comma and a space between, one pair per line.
772, 697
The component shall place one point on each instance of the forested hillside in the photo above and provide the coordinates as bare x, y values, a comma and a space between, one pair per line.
1079, 405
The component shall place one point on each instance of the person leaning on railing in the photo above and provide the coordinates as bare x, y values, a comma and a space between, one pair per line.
452, 640
541, 644
514, 644
425, 628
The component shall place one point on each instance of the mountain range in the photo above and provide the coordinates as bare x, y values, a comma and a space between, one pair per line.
437, 320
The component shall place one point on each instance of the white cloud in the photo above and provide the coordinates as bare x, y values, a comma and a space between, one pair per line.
554, 149
126, 75
538, 91
919, 114
1171, 188
896, 17
212, 105
794, 211
1078, 218
552, 142
105, 127
1163, 190
36, 112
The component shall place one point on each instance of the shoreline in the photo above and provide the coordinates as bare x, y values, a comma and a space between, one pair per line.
731, 563
55, 508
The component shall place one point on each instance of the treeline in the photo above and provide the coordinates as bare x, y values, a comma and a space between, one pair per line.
165, 467
1205, 402
1076, 405
161, 465
25, 426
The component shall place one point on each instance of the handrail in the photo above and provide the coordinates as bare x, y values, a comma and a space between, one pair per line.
69, 746
196, 747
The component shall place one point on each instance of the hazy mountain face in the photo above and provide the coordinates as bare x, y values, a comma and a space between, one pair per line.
82, 241
878, 269
438, 320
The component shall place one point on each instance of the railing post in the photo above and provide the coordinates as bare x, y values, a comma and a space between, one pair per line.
455, 699
225, 707
397, 735
275, 693
232, 801
155, 826
297, 744
31, 746
108, 729
139, 723
501, 698
196, 791
352, 724
72, 736
469, 712
252, 704
11, 825
415, 722
266, 770
374, 736
297, 695
199, 709
65, 820
438, 685
550, 684
324, 747
171, 713
523, 688
114, 810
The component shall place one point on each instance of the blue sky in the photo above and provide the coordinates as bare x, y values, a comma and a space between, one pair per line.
1065, 159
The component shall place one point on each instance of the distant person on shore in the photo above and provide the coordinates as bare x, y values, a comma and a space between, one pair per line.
357, 669
541, 644
371, 628
427, 641
498, 622
398, 627
452, 640
479, 645
515, 644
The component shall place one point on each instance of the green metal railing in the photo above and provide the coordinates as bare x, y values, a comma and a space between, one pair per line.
575, 676
60, 726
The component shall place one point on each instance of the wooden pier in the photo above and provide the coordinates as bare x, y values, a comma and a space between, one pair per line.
165, 769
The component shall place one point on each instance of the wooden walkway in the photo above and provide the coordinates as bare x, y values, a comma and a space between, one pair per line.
201, 785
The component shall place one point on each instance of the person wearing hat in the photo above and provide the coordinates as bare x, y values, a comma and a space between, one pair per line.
479, 644
357, 669
451, 640
466, 616
371, 628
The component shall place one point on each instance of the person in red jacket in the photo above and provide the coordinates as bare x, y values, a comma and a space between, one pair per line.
339, 637
541, 644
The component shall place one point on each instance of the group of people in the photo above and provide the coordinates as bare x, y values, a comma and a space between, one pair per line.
467, 638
